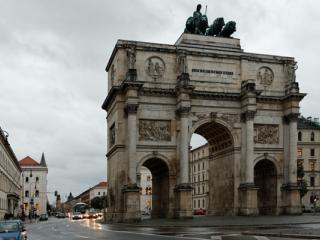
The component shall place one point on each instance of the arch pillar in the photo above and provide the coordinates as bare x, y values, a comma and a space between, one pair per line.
247, 190
183, 189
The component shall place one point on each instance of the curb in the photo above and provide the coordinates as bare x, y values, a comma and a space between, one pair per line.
282, 235
211, 225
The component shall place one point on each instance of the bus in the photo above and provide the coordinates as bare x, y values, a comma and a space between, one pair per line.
81, 208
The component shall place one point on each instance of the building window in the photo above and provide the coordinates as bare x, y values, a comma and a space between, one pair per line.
312, 165
148, 191
27, 179
198, 203
148, 178
312, 137
99, 193
26, 194
194, 203
203, 166
203, 203
299, 136
37, 179
299, 152
312, 152
312, 181
37, 193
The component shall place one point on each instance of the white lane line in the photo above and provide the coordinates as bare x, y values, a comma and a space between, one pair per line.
261, 238
80, 236
216, 237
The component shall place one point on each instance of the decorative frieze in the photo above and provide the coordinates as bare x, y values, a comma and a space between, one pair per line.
266, 133
154, 130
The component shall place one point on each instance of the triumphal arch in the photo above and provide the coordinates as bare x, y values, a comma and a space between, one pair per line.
246, 105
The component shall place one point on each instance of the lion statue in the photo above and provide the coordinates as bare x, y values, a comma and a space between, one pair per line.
228, 29
215, 28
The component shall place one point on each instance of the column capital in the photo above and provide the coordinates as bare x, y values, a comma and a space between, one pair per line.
183, 111
247, 115
291, 117
131, 108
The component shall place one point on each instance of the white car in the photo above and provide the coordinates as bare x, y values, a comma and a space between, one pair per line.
76, 215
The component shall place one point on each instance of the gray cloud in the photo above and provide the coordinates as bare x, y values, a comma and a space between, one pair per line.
53, 55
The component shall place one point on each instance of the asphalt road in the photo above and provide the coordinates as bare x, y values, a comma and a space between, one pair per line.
55, 229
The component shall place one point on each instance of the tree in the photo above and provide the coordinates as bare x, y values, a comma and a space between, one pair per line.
301, 182
99, 202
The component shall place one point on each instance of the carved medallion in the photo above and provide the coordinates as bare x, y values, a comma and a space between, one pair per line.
154, 130
266, 133
155, 67
265, 76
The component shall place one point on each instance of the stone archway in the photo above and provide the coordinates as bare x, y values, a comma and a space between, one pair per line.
160, 185
265, 178
221, 159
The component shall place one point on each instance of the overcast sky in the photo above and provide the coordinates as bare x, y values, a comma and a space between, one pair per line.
53, 54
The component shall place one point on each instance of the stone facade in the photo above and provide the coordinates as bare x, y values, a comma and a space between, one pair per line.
159, 95
10, 179
309, 156
199, 177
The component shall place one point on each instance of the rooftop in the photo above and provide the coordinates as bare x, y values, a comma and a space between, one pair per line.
308, 123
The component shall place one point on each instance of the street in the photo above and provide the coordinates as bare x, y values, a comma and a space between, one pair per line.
89, 229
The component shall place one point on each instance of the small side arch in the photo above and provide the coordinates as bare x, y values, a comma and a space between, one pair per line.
271, 159
157, 155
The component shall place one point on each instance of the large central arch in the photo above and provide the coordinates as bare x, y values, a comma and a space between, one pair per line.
221, 170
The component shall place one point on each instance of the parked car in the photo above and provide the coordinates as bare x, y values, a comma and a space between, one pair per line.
199, 212
43, 217
12, 229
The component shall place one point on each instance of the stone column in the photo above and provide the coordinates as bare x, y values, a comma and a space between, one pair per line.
183, 190
131, 110
248, 191
131, 191
290, 190
184, 145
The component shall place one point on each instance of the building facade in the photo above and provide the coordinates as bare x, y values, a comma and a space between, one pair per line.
309, 157
10, 179
99, 190
35, 182
145, 180
199, 165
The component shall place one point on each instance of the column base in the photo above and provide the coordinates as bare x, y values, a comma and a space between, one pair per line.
183, 201
248, 194
291, 199
131, 203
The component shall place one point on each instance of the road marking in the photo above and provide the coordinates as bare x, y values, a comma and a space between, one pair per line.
261, 238
216, 237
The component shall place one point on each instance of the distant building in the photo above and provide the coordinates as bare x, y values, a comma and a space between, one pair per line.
146, 190
309, 156
99, 190
199, 165
34, 185
10, 179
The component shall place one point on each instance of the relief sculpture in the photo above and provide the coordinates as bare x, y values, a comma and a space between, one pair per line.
154, 130
266, 133
112, 135
265, 76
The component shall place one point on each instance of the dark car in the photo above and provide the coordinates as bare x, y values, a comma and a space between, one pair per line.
12, 229
43, 217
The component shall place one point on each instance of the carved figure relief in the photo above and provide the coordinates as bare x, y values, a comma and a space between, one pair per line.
265, 76
131, 56
112, 134
290, 71
112, 75
182, 63
154, 130
155, 67
266, 133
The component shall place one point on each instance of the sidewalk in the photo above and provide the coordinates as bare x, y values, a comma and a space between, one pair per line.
228, 221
